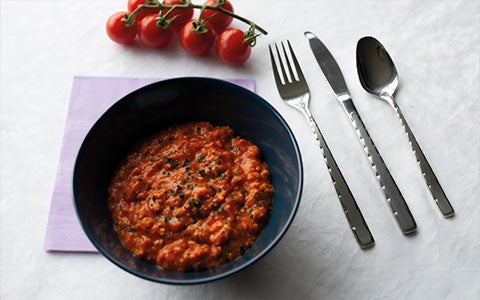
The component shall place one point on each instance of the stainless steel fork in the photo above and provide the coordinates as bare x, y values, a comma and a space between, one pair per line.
295, 92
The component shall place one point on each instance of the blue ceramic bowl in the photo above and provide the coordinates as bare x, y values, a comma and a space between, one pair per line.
157, 106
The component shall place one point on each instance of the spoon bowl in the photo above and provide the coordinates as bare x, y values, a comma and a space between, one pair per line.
376, 69
378, 76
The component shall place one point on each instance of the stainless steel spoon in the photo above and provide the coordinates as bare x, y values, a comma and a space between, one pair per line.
379, 77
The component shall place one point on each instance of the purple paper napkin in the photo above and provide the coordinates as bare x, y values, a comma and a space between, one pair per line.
90, 98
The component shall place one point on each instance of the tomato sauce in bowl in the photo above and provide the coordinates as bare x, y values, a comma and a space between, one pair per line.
194, 196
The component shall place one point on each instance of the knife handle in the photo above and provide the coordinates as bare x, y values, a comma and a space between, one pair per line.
393, 195
353, 214
432, 182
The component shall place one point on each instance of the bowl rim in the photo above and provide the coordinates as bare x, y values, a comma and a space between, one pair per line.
235, 269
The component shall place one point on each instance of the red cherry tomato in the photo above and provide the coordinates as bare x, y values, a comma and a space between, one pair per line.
196, 43
133, 4
183, 15
231, 47
218, 20
152, 35
118, 31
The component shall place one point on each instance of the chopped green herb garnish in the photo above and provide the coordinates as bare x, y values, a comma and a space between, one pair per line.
194, 202
171, 161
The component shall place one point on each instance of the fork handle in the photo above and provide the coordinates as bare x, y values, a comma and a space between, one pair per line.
393, 195
432, 182
353, 214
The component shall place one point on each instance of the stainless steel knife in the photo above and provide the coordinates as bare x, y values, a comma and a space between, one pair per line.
335, 78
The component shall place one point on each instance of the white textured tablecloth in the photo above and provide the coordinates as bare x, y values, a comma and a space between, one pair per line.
436, 47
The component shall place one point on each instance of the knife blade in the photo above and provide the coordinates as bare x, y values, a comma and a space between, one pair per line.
334, 76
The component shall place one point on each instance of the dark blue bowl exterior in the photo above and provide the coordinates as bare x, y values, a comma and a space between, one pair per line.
177, 101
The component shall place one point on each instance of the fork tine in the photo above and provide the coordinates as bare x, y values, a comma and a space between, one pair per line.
284, 74
289, 66
276, 75
295, 63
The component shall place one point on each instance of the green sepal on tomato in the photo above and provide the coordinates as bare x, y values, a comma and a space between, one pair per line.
133, 4
231, 46
180, 15
197, 37
218, 20
120, 32
154, 32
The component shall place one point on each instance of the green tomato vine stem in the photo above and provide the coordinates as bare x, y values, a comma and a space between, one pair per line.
156, 4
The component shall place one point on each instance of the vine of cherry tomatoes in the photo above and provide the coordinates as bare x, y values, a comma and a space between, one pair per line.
154, 24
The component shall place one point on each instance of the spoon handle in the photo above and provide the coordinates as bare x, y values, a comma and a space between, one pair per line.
353, 214
393, 195
432, 182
